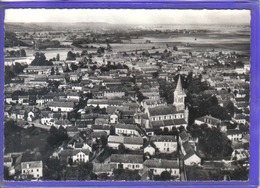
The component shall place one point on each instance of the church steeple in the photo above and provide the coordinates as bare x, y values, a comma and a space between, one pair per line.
179, 96
179, 85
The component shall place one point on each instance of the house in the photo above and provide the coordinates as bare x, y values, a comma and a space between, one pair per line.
72, 130
149, 149
234, 135
111, 93
76, 156
102, 168
80, 156
57, 106
209, 120
190, 156
104, 103
239, 118
33, 168
62, 122
157, 166
184, 137
73, 97
164, 143
126, 161
101, 128
127, 129
131, 143
113, 118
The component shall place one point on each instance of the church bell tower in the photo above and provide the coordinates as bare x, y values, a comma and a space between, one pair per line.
179, 96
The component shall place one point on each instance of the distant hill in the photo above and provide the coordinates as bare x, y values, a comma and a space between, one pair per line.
31, 27
28, 27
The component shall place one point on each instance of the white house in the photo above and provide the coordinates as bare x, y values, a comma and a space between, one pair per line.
132, 143
149, 150
114, 118
80, 156
34, 168
165, 143
190, 157
126, 161
209, 120
127, 129
234, 135
157, 166
57, 106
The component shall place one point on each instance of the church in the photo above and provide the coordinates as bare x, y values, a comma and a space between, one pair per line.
172, 115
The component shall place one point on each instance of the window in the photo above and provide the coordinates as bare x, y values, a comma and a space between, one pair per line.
37, 170
137, 166
37, 175
32, 170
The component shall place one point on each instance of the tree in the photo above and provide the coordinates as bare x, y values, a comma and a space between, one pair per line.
22, 53
165, 130
103, 140
125, 174
71, 56
84, 170
219, 112
58, 57
70, 161
121, 148
40, 60
165, 175
215, 144
84, 52
52, 71
73, 67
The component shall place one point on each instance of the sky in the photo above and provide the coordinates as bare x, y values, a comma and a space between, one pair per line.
130, 16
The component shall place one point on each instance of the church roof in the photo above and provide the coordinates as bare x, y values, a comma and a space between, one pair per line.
162, 110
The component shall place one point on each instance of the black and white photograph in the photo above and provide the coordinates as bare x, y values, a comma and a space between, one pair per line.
126, 94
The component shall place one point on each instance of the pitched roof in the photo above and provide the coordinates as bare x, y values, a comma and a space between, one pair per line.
101, 167
60, 104
32, 164
126, 158
162, 110
161, 163
189, 150
126, 126
209, 119
163, 138
184, 136
233, 131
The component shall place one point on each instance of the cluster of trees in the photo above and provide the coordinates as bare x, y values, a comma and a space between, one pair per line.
48, 44
72, 56
125, 174
213, 142
12, 40
57, 136
12, 71
166, 131
40, 60
16, 53
166, 54
113, 66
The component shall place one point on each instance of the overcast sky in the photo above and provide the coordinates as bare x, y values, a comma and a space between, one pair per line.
128, 16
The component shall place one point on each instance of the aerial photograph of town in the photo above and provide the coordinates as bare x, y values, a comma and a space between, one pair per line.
126, 95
